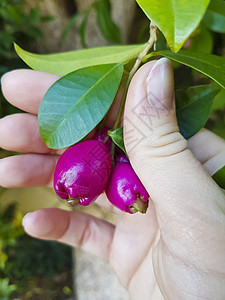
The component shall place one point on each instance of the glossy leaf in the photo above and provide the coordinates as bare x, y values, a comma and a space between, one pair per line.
210, 65
76, 103
215, 16
117, 137
105, 23
67, 62
219, 100
203, 42
193, 107
176, 19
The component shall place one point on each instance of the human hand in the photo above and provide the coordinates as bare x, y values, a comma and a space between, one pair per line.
166, 252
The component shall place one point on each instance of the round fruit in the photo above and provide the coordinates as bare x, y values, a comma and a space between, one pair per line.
125, 190
82, 172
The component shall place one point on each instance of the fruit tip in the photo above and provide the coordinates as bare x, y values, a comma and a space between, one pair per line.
139, 205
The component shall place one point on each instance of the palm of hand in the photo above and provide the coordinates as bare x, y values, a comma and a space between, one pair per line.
131, 252
150, 266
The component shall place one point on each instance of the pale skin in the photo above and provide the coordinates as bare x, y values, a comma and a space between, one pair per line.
177, 249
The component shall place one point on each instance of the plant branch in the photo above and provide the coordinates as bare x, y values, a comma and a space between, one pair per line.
151, 42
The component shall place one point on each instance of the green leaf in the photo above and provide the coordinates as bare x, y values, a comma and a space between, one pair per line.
107, 26
175, 18
217, 6
64, 63
15, 14
203, 42
72, 22
117, 137
6, 288
219, 100
76, 103
193, 107
215, 16
210, 65
82, 29
219, 177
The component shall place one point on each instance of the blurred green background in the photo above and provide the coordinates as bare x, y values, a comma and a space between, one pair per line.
33, 269
29, 268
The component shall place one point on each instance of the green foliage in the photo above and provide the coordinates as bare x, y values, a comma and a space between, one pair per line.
67, 62
208, 64
83, 18
117, 137
107, 27
67, 290
193, 107
161, 42
72, 22
10, 227
30, 258
35, 263
202, 42
82, 29
65, 106
219, 101
10, 230
57, 136
88, 94
6, 289
176, 19
23, 259
215, 16
17, 24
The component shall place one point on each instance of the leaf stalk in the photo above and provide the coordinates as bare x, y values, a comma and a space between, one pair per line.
151, 42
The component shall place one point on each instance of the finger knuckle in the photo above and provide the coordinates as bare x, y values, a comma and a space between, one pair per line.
164, 142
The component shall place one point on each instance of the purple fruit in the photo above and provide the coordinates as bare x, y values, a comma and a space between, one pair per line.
125, 190
101, 136
121, 158
82, 172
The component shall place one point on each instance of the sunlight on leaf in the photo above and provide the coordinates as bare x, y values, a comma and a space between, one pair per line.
176, 19
67, 62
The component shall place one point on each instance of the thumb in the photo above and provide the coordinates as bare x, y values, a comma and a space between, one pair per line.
175, 179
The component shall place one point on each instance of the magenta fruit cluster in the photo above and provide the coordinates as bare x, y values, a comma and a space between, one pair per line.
82, 172
85, 170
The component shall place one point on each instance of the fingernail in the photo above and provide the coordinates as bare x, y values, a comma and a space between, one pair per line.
160, 85
26, 219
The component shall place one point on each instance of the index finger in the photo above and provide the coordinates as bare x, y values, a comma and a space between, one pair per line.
25, 89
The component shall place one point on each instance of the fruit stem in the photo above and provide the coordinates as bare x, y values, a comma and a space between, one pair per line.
139, 206
151, 42
106, 139
73, 201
